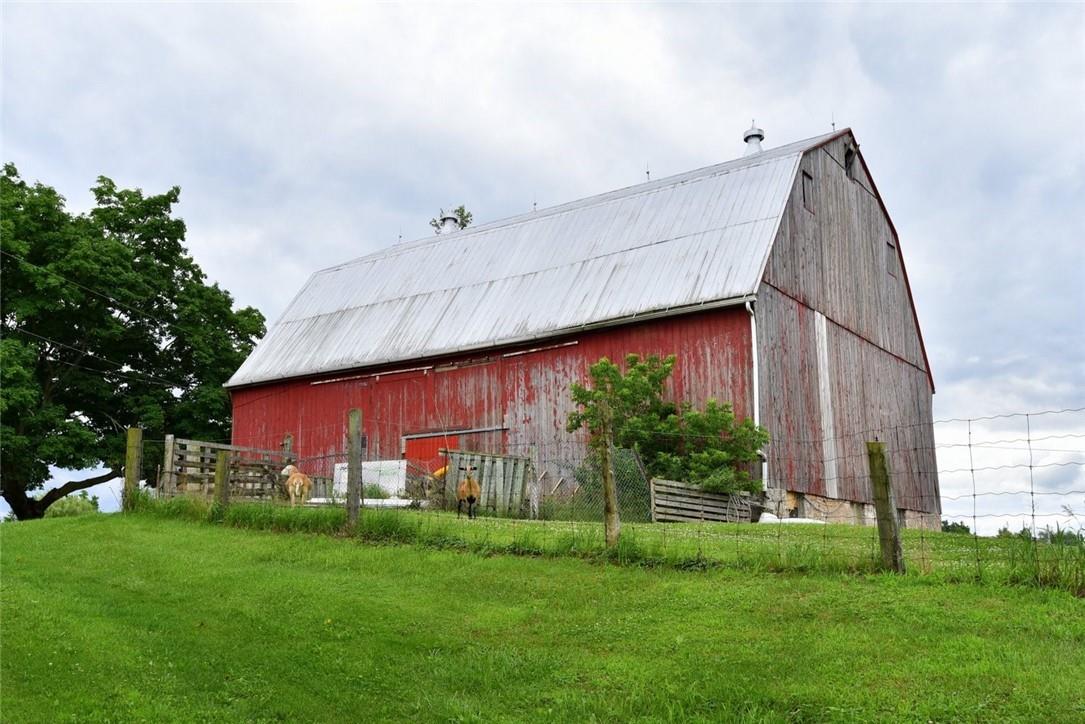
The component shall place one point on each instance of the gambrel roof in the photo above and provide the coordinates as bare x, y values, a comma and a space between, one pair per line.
683, 243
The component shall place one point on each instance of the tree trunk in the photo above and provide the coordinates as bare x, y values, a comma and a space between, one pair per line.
612, 523
27, 508
22, 505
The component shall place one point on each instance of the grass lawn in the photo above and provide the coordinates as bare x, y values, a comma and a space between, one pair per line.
148, 618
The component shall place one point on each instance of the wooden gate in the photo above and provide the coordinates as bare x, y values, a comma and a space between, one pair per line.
503, 479
188, 468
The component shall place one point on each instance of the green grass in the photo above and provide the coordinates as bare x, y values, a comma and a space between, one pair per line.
794, 548
153, 618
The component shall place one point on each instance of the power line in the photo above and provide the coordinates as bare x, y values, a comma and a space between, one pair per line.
119, 365
102, 373
85, 288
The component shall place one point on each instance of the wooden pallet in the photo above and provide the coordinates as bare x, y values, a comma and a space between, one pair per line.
683, 503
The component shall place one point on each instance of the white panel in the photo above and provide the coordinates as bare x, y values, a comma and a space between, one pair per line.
825, 400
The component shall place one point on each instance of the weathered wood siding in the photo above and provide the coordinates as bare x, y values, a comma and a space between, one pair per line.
836, 258
840, 355
519, 395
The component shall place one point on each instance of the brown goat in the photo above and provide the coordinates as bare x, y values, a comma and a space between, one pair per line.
470, 491
298, 484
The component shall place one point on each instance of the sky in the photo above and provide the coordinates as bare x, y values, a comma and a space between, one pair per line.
305, 135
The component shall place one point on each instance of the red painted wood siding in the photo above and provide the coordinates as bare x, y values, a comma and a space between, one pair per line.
527, 395
425, 452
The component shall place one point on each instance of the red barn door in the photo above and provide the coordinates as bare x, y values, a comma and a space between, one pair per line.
424, 451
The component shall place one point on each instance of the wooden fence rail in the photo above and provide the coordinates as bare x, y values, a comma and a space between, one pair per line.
188, 468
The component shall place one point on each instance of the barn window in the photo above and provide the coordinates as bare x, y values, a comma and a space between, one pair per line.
849, 162
808, 191
891, 257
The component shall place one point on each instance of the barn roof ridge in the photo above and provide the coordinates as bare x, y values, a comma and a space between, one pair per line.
794, 148
681, 242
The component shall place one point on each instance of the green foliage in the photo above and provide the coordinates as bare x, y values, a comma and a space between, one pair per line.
374, 491
955, 527
709, 447
1061, 536
1024, 534
463, 218
107, 323
72, 505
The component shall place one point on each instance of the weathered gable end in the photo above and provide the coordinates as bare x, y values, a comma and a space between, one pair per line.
839, 342
838, 253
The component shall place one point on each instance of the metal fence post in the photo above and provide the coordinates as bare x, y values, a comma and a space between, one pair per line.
354, 466
886, 508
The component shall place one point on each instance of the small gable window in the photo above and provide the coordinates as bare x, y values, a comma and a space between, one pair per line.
808, 191
891, 257
849, 162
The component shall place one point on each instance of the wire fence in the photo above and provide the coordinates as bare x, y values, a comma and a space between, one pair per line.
998, 497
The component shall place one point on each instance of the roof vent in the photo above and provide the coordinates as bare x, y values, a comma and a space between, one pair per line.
753, 139
449, 223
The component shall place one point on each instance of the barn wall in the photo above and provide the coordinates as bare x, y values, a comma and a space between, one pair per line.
836, 259
840, 356
823, 399
522, 395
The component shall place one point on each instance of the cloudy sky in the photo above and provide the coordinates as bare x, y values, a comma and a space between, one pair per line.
302, 136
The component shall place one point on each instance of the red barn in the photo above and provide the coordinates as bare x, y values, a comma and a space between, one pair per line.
777, 279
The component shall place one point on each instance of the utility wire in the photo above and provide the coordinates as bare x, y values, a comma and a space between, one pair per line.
88, 289
119, 365
103, 373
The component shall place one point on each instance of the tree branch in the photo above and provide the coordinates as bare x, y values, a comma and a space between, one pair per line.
70, 487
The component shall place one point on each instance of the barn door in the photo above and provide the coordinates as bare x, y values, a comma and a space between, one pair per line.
425, 451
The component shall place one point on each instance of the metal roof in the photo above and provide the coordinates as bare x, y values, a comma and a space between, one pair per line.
688, 241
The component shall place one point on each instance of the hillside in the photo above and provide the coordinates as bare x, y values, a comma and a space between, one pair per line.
141, 618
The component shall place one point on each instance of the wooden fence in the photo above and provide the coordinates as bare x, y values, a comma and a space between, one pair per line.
503, 479
188, 468
681, 502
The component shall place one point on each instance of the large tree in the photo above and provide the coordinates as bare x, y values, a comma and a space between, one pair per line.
106, 322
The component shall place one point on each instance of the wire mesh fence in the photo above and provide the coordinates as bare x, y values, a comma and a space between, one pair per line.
1005, 501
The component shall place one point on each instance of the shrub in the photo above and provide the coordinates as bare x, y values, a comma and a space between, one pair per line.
72, 505
955, 527
372, 490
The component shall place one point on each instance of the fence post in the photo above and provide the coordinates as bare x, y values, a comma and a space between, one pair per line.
886, 508
133, 460
222, 478
167, 481
354, 466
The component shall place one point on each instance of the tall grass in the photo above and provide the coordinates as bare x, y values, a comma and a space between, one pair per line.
837, 549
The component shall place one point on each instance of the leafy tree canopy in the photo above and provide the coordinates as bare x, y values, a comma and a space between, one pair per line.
105, 322
708, 447
463, 218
